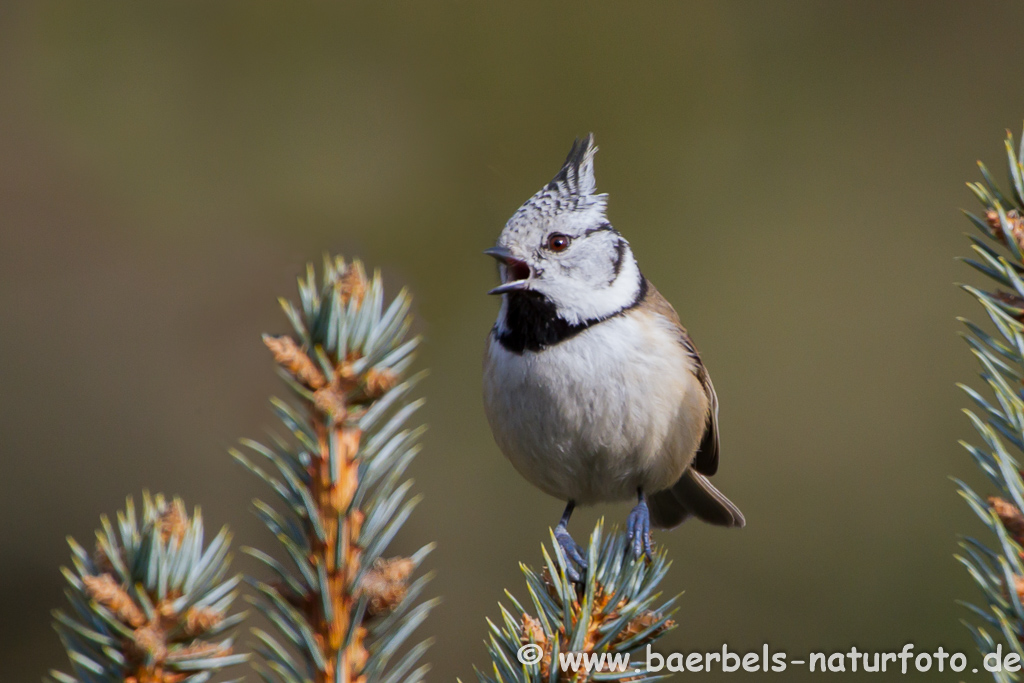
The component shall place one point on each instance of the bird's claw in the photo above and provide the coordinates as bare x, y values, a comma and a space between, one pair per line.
573, 554
638, 530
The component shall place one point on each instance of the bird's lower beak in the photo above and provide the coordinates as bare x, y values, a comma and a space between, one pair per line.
515, 273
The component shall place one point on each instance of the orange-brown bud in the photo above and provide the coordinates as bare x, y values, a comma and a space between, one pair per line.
641, 623
1015, 222
1010, 515
199, 620
288, 355
173, 522
353, 283
386, 583
149, 642
107, 592
379, 383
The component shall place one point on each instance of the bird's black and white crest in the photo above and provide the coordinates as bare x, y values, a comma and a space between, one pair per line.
588, 279
572, 190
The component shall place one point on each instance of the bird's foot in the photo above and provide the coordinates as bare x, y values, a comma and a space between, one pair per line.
638, 530
574, 555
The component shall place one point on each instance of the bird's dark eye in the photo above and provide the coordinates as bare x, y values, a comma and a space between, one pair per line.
558, 242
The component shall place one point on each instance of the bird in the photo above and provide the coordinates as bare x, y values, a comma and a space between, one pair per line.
592, 387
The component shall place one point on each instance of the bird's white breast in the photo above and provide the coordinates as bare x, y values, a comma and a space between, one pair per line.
600, 414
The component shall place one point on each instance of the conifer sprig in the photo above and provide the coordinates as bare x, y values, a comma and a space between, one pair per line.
615, 611
150, 604
997, 567
341, 610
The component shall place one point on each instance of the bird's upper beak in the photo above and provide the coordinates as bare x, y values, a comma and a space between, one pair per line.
516, 273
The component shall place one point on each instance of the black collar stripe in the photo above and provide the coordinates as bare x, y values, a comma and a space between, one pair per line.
532, 322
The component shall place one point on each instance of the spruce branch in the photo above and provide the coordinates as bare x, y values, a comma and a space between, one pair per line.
341, 610
997, 567
614, 612
149, 604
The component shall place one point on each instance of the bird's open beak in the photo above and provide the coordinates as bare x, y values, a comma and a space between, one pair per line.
515, 274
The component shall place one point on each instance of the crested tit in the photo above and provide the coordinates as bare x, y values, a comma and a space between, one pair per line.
592, 387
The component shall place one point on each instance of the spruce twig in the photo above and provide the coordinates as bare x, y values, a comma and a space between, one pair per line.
341, 611
616, 611
149, 604
998, 568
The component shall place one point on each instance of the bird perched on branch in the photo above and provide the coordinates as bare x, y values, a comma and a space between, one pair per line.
592, 387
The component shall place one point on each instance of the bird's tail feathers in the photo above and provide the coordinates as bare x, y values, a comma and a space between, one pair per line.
693, 495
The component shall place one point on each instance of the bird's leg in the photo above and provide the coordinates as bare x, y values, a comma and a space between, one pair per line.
573, 553
638, 528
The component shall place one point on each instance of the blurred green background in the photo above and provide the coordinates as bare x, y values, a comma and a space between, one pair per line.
789, 175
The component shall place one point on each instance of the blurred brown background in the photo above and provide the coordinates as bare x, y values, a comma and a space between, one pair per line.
788, 174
